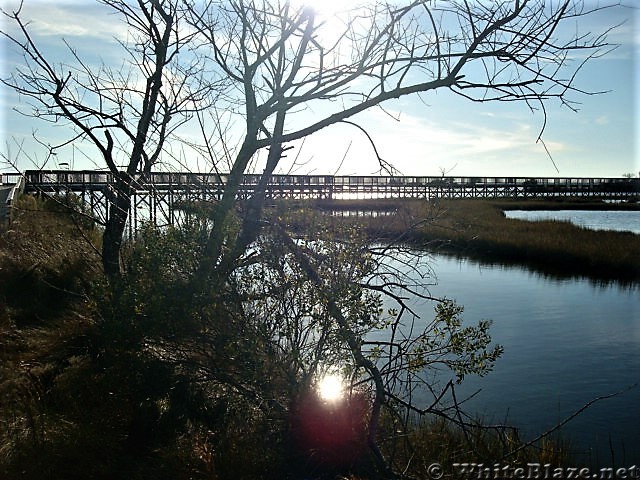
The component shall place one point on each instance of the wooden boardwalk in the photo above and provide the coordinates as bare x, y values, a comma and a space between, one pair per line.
157, 197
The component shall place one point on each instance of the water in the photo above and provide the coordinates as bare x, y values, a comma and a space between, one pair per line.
620, 220
566, 343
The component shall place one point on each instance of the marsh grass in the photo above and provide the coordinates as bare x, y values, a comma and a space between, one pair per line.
478, 229
45, 270
438, 440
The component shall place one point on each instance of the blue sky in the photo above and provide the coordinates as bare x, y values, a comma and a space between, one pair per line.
437, 133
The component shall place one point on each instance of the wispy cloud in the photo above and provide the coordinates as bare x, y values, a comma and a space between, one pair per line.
68, 19
421, 146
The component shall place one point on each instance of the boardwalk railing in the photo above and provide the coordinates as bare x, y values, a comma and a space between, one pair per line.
327, 185
11, 186
159, 195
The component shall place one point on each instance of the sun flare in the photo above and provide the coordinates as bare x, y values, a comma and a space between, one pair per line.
331, 388
330, 7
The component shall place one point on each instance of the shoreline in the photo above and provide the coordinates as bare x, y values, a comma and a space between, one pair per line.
479, 230
388, 204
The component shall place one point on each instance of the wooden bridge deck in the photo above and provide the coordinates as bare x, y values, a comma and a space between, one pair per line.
157, 195
328, 186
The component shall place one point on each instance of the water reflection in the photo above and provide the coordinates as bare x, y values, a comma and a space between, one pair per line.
566, 343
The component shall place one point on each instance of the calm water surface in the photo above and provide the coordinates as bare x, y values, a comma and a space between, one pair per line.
595, 220
566, 342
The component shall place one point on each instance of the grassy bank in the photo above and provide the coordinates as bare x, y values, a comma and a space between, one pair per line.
478, 229
83, 396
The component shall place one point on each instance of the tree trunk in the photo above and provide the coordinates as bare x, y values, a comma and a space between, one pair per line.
114, 230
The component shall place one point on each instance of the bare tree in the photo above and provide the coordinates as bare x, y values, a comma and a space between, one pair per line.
279, 61
285, 61
278, 64
129, 113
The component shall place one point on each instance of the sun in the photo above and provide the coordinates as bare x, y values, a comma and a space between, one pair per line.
335, 18
330, 7
331, 388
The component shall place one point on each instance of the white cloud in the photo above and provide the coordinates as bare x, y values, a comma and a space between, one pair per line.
69, 19
420, 146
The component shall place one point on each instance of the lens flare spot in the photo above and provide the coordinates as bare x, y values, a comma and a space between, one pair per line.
331, 388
